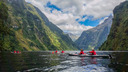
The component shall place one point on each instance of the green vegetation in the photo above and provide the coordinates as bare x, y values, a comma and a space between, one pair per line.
7, 36
118, 37
29, 31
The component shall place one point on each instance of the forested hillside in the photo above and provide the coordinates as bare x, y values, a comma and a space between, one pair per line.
29, 29
118, 37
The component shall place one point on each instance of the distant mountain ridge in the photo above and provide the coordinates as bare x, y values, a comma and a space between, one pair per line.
32, 30
118, 37
72, 36
94, 37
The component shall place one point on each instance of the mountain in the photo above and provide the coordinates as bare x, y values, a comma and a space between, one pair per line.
31, 29
72, 36
7, 37
93, 38
118, 37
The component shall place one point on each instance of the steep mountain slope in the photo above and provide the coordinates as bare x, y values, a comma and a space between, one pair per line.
56, 30
32, 29
7, 36
94, 37
118, 37
72, 36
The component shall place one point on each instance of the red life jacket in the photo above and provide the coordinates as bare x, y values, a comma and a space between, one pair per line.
14, 51
55, 51
62, 52
82, 52
17, 51
93, 52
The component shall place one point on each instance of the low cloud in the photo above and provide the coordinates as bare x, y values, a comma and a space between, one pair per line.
74, 28
103, 20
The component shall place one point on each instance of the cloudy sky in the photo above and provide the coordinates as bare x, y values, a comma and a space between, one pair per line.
75, 16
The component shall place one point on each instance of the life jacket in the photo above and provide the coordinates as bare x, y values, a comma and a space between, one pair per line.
56, 51
93, 52
14, 51
17, 51
82, 52
53, 52
62, 51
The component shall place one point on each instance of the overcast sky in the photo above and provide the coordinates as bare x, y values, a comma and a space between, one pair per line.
75, 16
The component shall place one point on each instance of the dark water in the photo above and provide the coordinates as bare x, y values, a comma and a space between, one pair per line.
47, 62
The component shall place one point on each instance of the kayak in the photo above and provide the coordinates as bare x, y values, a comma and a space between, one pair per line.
15, 53
94, 55
89, 55
73, 54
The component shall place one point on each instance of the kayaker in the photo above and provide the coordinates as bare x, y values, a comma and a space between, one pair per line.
17, 52
56, 51
82, 52
93, 52
62, 51
53, 52
14, 52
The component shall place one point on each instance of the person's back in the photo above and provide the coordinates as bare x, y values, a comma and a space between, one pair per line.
17, 51
93, 52
62, 51
14, 51
82, 52
53, 52
56, 51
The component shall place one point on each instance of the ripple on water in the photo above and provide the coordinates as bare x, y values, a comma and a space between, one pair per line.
64, 68
87, 68
44, 55
46, 62
56, 68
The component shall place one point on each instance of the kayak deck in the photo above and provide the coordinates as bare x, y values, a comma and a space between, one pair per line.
73, 54
89, 55
94, 55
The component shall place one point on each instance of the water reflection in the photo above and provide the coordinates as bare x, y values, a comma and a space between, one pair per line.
83, 61
88, 60
93, 60
119, 62
48, 62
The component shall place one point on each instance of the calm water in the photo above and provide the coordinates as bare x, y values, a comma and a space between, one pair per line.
47, 62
